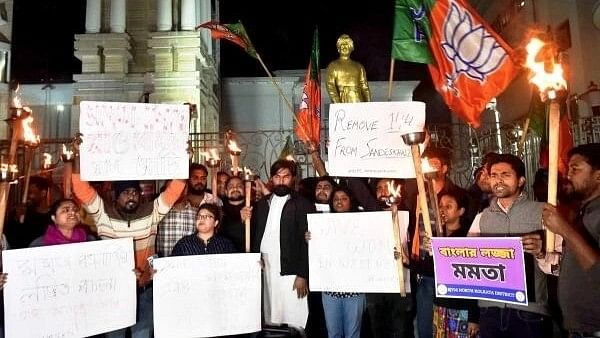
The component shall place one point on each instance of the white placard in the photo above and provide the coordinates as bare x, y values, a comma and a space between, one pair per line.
70, 290
365, 139
133, 141
207, 295
354, 252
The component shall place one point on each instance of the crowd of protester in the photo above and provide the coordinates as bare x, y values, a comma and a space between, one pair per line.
187, 218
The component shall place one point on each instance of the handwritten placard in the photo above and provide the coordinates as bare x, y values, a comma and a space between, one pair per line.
365, 139
133, 141
354, 252
207, 295
489, 268
71, 290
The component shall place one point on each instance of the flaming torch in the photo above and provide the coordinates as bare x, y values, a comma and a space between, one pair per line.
235, 153
413, 140
547, 76
17, 113
394, 199
31, 142
248, 179
213, 161
429, 173
67, 159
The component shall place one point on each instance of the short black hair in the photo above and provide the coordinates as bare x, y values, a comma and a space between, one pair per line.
514, 161
231, 178
283, 164
326, 178
591, 153
477, 173
221, 173
487, 158
213, 209
198, 166
461, 198
442, 154
40, 182
54, 207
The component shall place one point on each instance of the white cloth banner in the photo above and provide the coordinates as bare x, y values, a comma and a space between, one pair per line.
354, 252
365, 139
207, 295
70, 290
133, 141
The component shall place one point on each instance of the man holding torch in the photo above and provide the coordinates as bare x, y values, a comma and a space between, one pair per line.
579, 295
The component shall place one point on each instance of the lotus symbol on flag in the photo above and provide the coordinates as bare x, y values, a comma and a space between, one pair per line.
471, 49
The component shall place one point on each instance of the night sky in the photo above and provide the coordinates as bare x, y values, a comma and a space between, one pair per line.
43, 35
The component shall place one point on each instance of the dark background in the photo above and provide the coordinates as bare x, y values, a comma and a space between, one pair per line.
281, 31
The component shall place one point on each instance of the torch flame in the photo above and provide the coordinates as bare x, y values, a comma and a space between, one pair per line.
67, 153
233, 147
290, 158
16, 99
547, 82
426, 167
393, 190
28, 135
214, 153
47, 160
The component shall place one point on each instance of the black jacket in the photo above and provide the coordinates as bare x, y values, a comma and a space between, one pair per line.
293, 246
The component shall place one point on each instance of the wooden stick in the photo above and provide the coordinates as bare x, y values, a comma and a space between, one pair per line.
4, 191
213, 181
416, 155
553, 135
436, 209
524, 135
67, 172
28, 160
392, 63
398, 245
5, 186
288, 103
248, 187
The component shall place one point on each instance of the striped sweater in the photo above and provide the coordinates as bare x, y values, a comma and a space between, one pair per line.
141, 225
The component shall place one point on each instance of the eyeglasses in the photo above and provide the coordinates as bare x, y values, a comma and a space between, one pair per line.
203, 217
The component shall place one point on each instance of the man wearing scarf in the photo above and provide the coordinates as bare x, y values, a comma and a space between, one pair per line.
279, 223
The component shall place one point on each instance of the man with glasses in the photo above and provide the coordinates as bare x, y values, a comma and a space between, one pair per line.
180, 221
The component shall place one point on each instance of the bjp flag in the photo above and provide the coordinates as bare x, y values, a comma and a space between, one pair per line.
472, 63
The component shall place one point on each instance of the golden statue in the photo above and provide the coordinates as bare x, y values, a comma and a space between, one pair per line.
347, 79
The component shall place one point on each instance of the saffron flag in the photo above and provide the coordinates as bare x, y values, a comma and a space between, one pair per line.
472, 63
308, 126
411, 31
234, 32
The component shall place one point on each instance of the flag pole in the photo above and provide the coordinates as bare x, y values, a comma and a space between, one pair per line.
281, 93
392, 63
288, 103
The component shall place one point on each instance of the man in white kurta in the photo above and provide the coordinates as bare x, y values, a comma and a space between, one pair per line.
279, 223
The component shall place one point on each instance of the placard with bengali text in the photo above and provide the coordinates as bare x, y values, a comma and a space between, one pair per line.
133, 141
69, 290
488, 268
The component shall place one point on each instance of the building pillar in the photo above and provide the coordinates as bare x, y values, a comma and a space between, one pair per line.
188, 15
93, 11
164, 15
117, 16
